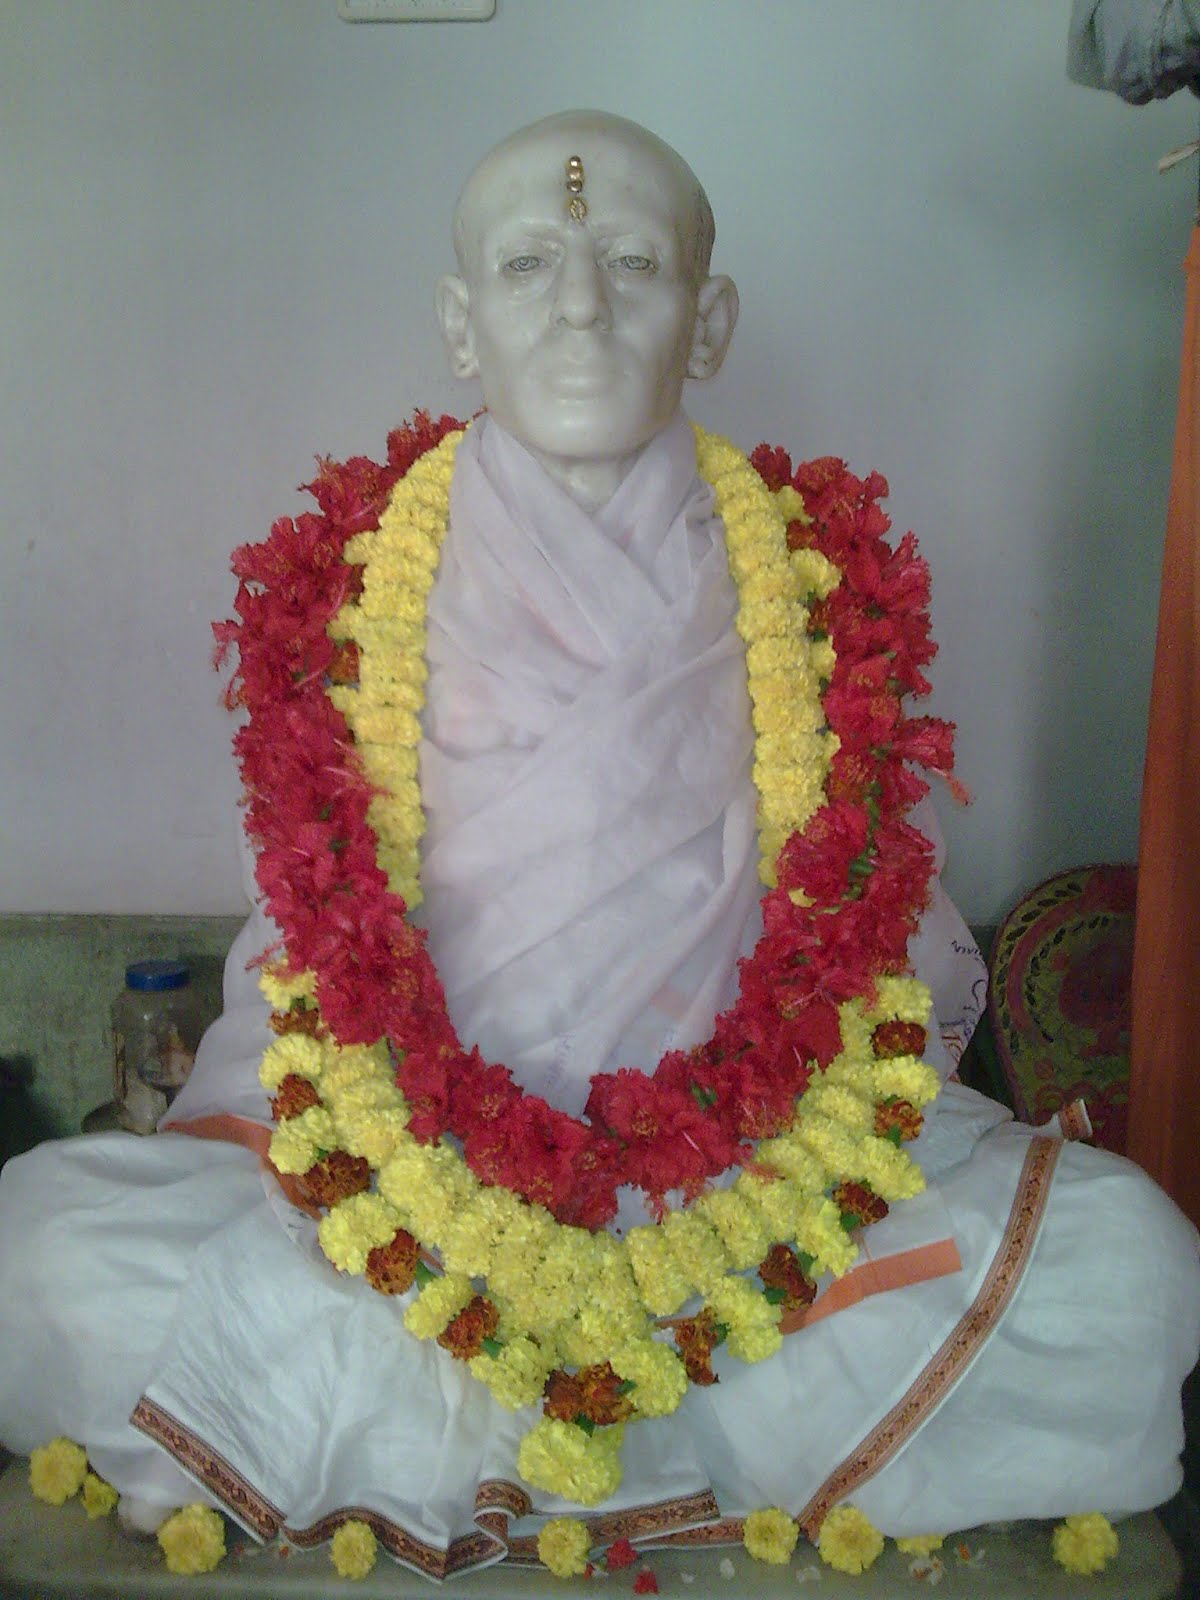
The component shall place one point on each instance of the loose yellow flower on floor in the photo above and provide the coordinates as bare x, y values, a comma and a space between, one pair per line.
57, 1471
193, 1540
99, 1498
1085, 1544
563, 1546
770, 1536
847, 1541
353, 1549
921, 1544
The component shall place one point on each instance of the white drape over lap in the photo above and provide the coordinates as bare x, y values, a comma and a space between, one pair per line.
590, 864
591, 857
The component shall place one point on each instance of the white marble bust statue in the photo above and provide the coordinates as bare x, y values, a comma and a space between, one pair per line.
590, 872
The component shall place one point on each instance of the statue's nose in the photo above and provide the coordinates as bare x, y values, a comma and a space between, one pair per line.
582, 299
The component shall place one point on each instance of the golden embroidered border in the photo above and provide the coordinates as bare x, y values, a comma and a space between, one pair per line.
246, 1505
498, 1494
244, 1502
977, 1322
470, 1550
496, 1500
664, 1516
1074, 1120
728, 1530
659, 1523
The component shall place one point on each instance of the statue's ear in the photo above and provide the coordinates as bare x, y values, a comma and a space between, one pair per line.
454, 314
716, 318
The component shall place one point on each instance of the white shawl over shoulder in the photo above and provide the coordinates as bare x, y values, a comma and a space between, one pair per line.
590, 860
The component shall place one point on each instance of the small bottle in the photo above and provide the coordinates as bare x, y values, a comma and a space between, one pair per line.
155, 1028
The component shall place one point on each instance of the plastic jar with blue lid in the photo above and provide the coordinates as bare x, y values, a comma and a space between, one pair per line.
155, 1029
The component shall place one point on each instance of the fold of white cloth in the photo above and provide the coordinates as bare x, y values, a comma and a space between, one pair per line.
589, 866
169, 1273
156, 1266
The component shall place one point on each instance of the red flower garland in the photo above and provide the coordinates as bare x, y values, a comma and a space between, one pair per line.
864, 869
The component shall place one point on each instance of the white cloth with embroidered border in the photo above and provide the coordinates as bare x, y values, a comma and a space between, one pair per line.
618, 798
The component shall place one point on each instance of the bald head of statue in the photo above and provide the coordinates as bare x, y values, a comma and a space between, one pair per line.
583, 297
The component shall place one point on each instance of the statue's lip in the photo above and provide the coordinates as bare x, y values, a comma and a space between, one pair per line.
582, 377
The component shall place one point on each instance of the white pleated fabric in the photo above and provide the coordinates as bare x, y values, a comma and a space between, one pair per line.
590, 865
171, 1267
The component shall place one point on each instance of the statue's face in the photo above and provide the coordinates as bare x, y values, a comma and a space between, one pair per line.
581, 331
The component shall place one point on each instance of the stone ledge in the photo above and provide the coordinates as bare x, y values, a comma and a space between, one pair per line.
48, 1554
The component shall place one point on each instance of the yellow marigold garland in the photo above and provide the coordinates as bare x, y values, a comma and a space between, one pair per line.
568, 1294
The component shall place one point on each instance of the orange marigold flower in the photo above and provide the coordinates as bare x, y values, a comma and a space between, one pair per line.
604, 1400
294, 1095
698, 1366
336, 1177
562, 1396
300, 1019
781, 1269
801, 535
857, 1200
696, 1339
392, 1267
594, 1392
901, 1114
463, 1336
898, 1039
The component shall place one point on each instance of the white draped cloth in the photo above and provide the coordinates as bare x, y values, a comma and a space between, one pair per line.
590, 871
591, 844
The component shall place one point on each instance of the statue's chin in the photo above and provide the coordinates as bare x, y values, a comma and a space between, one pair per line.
578, 420
583, 400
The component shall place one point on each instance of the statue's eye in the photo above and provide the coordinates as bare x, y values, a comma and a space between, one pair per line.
523, 264
634, 263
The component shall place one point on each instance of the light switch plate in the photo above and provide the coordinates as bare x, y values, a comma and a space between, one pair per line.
416, 10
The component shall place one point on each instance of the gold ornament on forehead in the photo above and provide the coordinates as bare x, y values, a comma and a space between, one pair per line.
576, 205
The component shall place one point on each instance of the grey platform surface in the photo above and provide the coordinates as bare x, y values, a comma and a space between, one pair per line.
57, 1554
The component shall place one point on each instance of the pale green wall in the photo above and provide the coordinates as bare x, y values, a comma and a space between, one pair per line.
222, 224
58, 977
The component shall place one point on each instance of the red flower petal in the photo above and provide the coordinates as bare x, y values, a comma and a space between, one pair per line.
620, 1554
